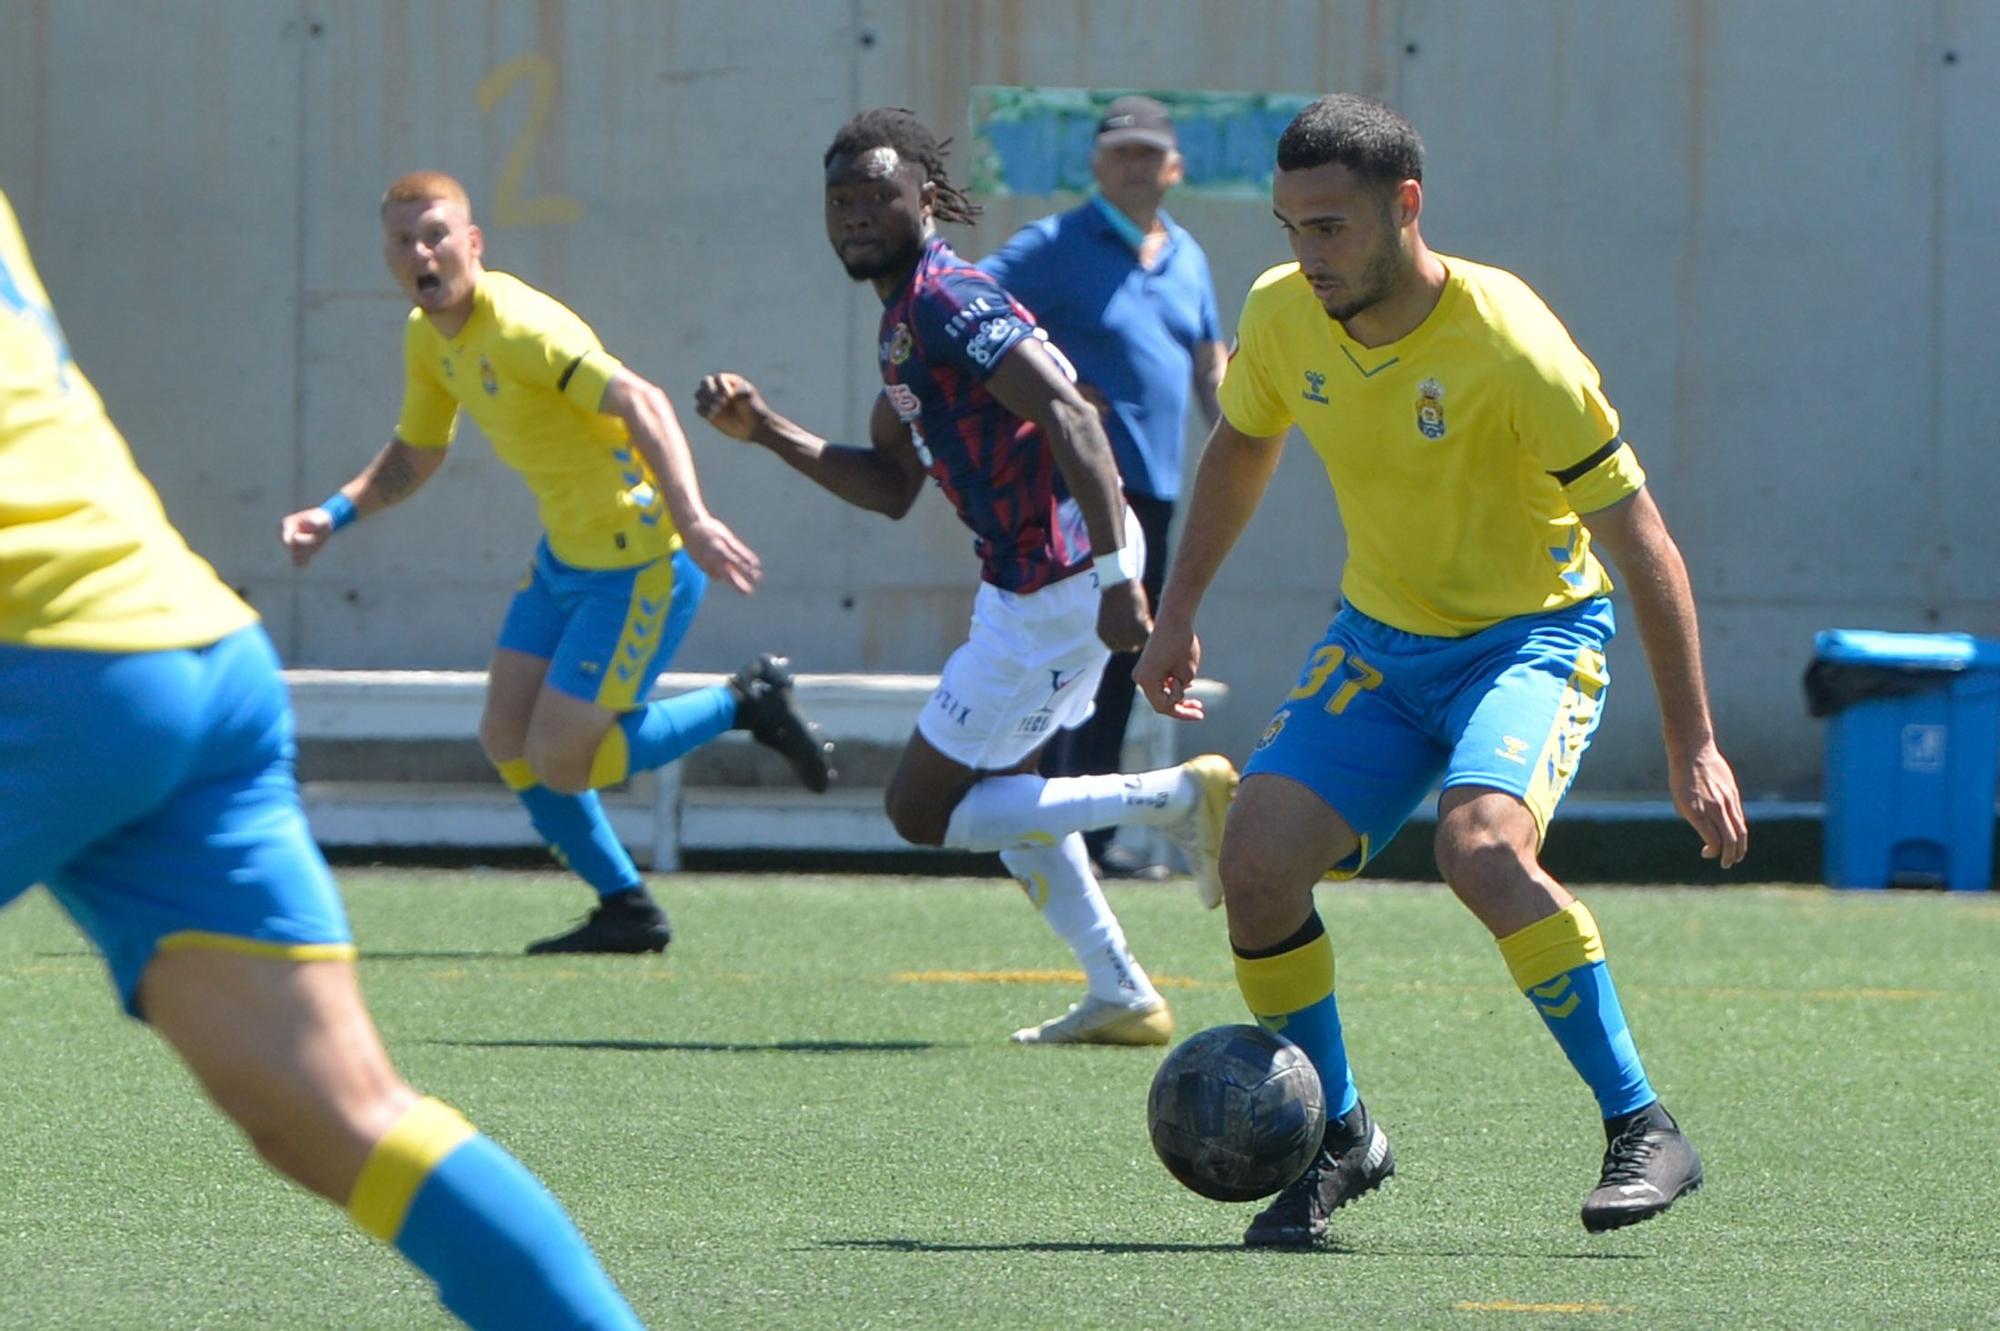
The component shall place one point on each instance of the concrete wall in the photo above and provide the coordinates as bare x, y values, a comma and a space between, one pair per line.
1767, 220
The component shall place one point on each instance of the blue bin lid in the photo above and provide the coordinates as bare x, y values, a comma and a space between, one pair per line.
1916, 651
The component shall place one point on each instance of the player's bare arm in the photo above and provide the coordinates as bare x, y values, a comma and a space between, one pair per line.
1229, 482
396, 473
656, 432
1635, 537
1211, 361
1029, 383
884, 478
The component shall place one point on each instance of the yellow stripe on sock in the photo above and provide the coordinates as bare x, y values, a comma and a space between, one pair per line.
612, 762
518, 774
399, 1164
1551, 947
1289, 982
188, 940
1036, 885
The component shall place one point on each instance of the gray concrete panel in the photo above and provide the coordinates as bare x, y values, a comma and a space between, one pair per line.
152, 150
1769, 222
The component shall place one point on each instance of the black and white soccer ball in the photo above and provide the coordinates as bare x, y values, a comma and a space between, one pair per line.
1236, 1112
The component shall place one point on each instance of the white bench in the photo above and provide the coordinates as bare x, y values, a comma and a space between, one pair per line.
657, 815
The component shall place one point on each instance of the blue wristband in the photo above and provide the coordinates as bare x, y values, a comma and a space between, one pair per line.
341, 509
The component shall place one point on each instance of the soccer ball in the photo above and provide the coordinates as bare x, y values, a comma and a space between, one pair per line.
1236, 1112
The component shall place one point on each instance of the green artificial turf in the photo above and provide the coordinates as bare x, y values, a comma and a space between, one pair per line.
807, 1114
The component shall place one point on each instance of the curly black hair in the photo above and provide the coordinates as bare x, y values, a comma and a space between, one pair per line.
898, 128
1366, 136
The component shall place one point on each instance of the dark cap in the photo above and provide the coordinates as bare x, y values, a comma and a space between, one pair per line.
1136, 120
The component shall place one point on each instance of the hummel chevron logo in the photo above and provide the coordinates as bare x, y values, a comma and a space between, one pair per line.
1551, 991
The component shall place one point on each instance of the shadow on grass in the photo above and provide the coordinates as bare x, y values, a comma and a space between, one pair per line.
707, 1046
1118, 1249
1323, 1250
369, 955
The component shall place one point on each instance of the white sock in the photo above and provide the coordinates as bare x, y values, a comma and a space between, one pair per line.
1058, 880
1001, 812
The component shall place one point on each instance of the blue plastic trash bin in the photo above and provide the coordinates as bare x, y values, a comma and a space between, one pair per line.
1914, 723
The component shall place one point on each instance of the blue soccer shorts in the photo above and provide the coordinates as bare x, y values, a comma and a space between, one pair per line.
153, 793
606, 633
1381, 717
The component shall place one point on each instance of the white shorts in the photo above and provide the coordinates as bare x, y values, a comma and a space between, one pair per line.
1029, 667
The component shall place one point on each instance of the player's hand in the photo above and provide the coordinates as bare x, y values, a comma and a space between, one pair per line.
731, 404
1122, 621
1168, 667
721, 553
1705, 793
304, 532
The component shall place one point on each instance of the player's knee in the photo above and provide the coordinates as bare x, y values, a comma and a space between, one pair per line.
1251, 877
502, 738
916, 819
562, 767
1474, 856
317, 1139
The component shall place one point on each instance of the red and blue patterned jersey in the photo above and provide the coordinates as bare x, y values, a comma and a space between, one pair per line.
944, 333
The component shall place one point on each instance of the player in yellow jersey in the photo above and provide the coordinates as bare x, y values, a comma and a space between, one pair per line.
146, 779
1477, 465
614, 584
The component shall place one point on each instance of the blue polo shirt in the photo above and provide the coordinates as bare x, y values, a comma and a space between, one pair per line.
1130, 331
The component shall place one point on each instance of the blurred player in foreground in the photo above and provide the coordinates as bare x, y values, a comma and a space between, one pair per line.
146, 779
1475, 461
977, 398
627, 551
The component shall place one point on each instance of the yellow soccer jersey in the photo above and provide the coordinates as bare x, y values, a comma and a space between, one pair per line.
1460, 455
532, 374
87, 557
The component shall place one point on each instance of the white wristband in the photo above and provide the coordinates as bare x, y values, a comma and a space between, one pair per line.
1121, 565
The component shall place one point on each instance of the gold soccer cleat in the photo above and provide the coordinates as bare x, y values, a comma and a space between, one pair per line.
1095, 1021
1200, 838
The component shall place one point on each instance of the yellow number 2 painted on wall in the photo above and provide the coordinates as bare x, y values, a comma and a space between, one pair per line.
509, 208
1324, 662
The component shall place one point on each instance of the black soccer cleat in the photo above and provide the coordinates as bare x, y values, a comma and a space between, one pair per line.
765, 707
623, 922
1354, 1159
1649, 1165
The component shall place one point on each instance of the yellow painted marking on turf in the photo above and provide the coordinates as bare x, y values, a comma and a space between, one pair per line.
1510, 1306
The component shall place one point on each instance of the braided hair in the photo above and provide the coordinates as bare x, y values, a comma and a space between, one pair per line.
897, 128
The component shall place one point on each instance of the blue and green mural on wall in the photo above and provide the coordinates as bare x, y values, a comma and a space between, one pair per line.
1038, 140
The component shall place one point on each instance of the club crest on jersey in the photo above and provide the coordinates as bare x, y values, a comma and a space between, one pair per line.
1430, 409
1315, 389
487, 379
1273, 730
897, 349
